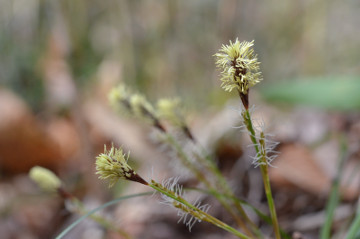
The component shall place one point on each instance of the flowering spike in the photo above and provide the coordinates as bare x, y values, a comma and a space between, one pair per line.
119, 97
46, 179
240, 66
171, 110
142, 108
112, 165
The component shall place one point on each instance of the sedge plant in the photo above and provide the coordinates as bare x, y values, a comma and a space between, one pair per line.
113, 165
198, 163
240, 71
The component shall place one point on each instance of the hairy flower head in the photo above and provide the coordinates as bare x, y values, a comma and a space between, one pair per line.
142, 108
171, 110
45, 179
112, 165
240, 66
119, 98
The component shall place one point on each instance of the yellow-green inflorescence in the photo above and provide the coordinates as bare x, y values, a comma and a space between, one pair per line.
119, 98
45, 179
134, 104
142, 108
112, 165
240, 66
171, 110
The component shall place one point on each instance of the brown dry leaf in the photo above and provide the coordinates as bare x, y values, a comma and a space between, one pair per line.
296, 166
23, 143
63, 132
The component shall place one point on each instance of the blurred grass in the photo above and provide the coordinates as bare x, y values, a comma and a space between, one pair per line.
166, 47
331, 93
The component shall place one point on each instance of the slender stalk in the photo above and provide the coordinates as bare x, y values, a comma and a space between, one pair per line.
80, 209
201, 177
224, 187
186, 161
72, 225
266, 180
334, 194
196, 212
355, 226
264, 174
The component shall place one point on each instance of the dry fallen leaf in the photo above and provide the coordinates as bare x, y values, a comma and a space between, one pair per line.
295, 165
23, 142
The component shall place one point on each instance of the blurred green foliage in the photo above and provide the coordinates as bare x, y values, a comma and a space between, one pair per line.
166, 47
332, 93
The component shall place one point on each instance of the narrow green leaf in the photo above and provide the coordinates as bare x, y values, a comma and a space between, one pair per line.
70, 227
334, 193
354, 230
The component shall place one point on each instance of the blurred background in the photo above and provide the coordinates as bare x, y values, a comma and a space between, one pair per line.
59, 60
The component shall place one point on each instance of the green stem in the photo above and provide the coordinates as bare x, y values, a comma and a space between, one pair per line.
69, 228
80, 209
201, 177
334, 194
355, 227
224, 187
266, 180
186, 161
196, 212
264, 174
